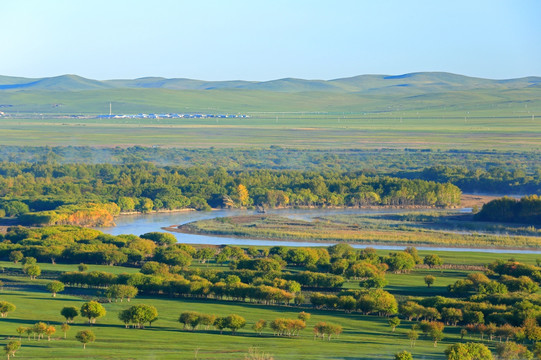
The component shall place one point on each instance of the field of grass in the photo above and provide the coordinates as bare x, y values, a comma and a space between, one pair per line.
292, 130
364, 337
349, 229
471, 119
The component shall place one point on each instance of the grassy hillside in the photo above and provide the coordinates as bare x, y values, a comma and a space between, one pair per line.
420, 82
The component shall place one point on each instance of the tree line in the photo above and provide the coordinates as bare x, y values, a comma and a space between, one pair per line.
79, 193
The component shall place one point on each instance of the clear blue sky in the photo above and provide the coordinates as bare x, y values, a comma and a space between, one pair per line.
263, 40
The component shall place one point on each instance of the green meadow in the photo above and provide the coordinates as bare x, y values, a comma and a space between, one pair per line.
364, 337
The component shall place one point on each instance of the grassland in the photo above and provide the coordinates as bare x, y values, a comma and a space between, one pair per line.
416, 116
355, 229
322, 131
364, 337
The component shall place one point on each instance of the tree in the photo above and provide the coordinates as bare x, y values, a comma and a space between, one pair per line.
92, 310
40, 329
220, 323
12, 347
50, 331
403, 355
85, 337
55, 287
139, 315
394, 322
432, 260
512, 351
259, 326
32, 270
235, 322
69, 312
162, 239
429, 280
243, 196
82, 267
468, 351
120, 292
16, 256
5, 308
304, 316
436, 332
190, 319
65, 328
413, 335
207, 320
21, 330
29, 260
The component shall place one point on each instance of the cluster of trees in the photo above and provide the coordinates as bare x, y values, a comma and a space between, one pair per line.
41, 329
375, 301
496, 179
177, 285
191, 320
138, 315
527, 210
325, 330
71, 244
90, 195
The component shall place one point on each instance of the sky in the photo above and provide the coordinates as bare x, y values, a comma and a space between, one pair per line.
265, 40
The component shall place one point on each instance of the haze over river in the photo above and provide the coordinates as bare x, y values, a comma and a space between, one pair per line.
140, 224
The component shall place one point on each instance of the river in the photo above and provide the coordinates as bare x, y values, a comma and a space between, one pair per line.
140, 224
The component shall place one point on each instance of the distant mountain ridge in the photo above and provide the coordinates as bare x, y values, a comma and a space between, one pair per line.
419, 82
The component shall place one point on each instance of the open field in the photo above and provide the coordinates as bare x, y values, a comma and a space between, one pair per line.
297, 131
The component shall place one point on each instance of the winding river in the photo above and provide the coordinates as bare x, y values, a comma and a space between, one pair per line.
140, 224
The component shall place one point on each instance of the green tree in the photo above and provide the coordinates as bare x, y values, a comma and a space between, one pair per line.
55, 287
32, 270
29, 260
468, 351
394, 322
11, 348
413, 335
85, 337
16, 256
40, 328
235, 322
429, 280
162, 239
190, 319
221, 323
21, 330
139, 315
92, 310
403, 355
5, 308
69, 312
432, 260
82, 267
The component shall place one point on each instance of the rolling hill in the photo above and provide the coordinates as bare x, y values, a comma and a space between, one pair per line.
421, 82
425, 92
